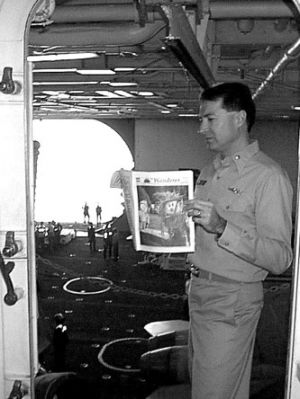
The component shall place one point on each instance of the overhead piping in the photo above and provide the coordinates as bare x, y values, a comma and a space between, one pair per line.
99, 13
117, 35
87, 13
249, 9
290, 55
62, 31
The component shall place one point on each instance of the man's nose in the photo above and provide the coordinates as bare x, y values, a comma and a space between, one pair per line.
203, 127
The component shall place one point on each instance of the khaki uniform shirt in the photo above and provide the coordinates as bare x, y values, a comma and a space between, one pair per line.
254, 195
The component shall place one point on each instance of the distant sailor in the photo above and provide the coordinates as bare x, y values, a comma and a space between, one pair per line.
60, 342
98, 213
86, 215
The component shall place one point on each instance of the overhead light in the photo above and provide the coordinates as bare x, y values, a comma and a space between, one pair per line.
118, 84
54, 70
296, 107
52, 93
107, 94
145, 93
165, 112
95, 72
189, 115
63, 83
124, 69
172, 105
123, 93
65, 56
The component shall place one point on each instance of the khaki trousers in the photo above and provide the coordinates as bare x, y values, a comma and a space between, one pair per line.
223, 322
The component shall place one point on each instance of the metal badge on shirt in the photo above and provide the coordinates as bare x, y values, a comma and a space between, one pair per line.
235, 190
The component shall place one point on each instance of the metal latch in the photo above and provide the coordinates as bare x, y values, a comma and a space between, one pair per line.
8, 85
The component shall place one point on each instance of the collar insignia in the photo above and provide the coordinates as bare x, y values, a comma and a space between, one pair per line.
235, 190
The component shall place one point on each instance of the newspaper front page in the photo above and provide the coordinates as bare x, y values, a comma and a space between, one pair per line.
154, 207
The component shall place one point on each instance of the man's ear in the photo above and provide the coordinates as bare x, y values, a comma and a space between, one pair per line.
241, 118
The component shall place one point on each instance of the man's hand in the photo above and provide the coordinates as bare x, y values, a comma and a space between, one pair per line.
205, 214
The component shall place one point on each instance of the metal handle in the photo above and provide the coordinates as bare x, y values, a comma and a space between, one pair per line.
11, 297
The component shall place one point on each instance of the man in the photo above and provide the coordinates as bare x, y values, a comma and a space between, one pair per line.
242, 215
98, 213
86, 214
60, 342
107, 241
92, 237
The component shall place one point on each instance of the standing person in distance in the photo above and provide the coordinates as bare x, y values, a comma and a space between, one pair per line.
98, 214
242, 214
60, 342
92, 237
86, 214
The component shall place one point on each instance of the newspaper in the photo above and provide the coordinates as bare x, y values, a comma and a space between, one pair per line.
154, 207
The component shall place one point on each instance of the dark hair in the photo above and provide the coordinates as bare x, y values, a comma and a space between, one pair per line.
59, 318
236, 97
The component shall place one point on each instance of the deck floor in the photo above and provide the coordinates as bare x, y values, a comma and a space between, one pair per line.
107, 300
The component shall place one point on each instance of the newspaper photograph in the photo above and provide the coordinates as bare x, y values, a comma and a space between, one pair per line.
154, 207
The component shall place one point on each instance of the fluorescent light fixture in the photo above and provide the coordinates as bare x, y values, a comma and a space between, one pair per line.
296, 107
107, 94
118, 84
123, 93
189, 115
95, 72
124, 69
57, 57
63, 83
54, 70
52, 93
172, 105
165, 112
145, 93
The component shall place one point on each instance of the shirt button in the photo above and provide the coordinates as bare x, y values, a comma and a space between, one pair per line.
226, 243
227, 207
218, 177
237, 157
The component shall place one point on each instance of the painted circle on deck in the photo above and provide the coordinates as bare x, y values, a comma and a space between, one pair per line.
103, 283
123, 354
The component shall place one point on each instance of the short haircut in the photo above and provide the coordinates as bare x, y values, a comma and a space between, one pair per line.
236, 97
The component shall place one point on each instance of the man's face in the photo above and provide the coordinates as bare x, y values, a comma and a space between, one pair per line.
219, 127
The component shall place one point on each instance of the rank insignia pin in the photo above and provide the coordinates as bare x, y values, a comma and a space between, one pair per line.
235, 190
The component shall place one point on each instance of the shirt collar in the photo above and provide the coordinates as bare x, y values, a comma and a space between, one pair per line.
239, 159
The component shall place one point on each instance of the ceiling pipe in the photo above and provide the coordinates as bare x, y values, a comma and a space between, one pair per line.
94, 13
117, 35
99, 13
64, 33
290, 55
236, 9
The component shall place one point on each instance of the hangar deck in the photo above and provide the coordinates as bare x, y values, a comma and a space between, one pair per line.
140, 293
